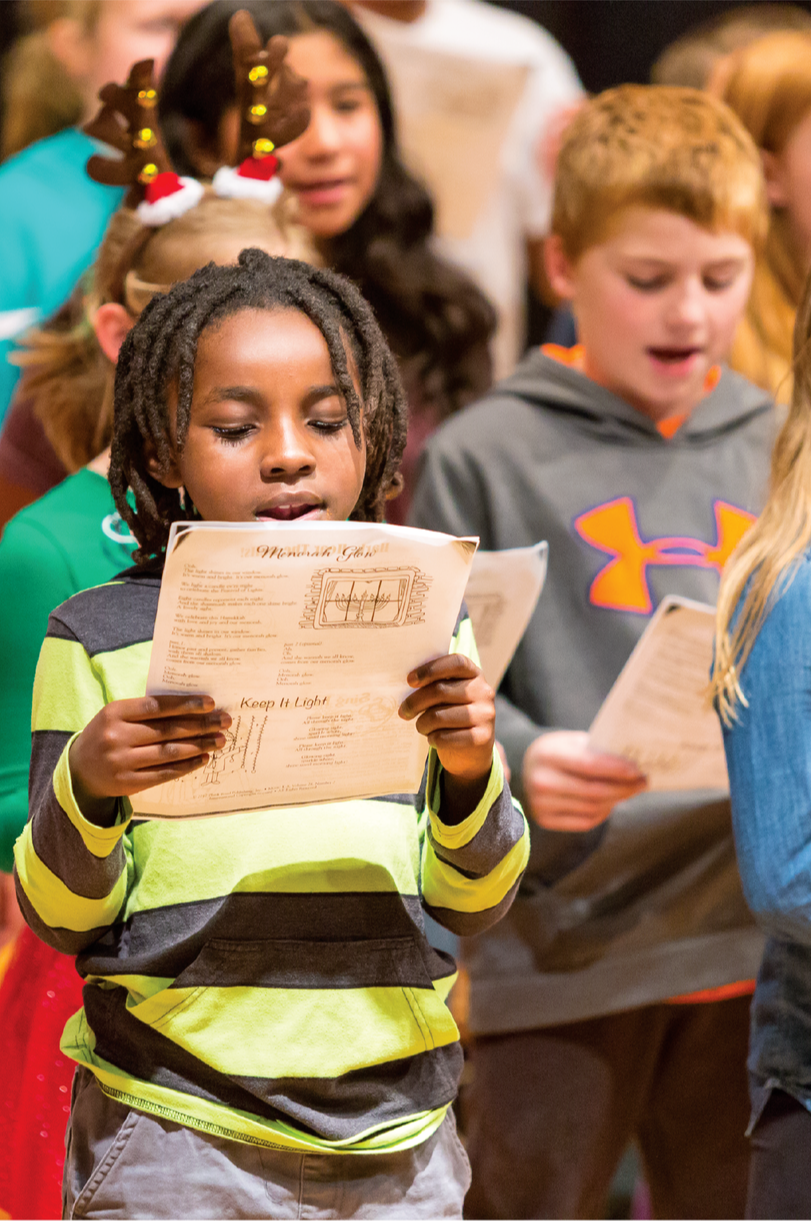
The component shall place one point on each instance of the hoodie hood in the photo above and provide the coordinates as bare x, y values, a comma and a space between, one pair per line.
545, 382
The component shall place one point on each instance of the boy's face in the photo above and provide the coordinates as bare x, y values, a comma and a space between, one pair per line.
656, 303
269, 436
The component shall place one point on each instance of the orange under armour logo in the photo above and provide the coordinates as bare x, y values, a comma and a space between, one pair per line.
623, 583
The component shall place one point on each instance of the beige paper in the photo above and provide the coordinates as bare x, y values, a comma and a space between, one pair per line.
305, 635
658, 711
502, 592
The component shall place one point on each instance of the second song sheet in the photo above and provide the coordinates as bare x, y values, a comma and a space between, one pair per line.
305, 635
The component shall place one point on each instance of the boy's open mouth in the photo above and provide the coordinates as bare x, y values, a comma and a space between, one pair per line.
288, 512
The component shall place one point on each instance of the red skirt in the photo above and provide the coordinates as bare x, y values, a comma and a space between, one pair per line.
38, 994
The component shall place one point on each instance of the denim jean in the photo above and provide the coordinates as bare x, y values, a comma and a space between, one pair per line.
768, 748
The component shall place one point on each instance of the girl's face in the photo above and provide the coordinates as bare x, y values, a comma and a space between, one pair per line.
269, 436
127, 31
334, 166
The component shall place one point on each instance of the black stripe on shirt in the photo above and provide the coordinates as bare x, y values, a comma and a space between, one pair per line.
386, 962
139, 945
109, 617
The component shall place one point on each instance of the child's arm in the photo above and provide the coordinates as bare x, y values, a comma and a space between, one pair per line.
476, 841
71, 866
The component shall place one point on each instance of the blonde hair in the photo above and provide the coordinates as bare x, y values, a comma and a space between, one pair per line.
763, 560
39, 97
656, 146
768, 85
67, 376
692, 58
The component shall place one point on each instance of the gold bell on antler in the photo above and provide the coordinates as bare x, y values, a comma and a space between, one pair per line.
148, 172
263, 147
258, 75
256, 114
147, 98
145, 138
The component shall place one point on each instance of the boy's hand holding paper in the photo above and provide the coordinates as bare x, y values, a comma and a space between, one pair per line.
569, 785
133, 744
455, 711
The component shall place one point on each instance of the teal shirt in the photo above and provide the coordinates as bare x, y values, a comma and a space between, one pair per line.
52, 219
69, 540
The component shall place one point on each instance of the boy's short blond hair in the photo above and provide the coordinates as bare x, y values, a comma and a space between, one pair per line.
657, 146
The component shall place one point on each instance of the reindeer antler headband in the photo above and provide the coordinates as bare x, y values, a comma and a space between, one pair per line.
273, 110
272, 102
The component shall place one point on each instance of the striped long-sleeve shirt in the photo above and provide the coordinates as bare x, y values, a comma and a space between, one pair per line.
263, 976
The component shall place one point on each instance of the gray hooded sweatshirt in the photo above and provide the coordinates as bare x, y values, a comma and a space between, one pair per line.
648, 906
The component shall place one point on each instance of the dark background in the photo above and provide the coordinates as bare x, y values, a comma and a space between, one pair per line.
613, 41
610, 41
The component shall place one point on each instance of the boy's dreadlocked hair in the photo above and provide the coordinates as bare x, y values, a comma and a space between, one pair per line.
162, 347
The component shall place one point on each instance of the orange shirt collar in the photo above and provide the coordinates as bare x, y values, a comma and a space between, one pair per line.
575, 358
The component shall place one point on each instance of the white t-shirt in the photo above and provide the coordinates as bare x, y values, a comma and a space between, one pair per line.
465, 66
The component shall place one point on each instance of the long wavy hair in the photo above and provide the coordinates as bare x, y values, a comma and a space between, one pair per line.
436, 320
768, 85
66, 374
764, 560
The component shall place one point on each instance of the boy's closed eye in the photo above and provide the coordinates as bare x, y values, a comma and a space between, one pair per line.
714, 279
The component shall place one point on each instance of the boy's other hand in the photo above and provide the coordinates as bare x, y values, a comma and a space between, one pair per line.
132, 745
455, 710
568, 786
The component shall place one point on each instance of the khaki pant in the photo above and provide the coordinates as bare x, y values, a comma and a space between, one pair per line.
125, 1163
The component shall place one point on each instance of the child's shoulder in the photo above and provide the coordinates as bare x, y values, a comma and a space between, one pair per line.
526, 401
108, 617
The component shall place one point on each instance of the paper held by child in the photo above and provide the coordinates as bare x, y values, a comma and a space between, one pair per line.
658, 711
502, 592
305, 636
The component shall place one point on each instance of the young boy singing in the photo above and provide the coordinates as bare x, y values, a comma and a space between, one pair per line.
613, 1001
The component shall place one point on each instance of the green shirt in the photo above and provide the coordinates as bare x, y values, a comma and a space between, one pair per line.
54, 217
68, 540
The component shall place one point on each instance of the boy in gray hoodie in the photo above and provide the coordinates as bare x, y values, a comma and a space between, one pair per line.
612, 1003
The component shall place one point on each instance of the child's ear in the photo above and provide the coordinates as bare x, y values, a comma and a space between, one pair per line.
112, 322
559, 267
395, 487
169, 475
775, 179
